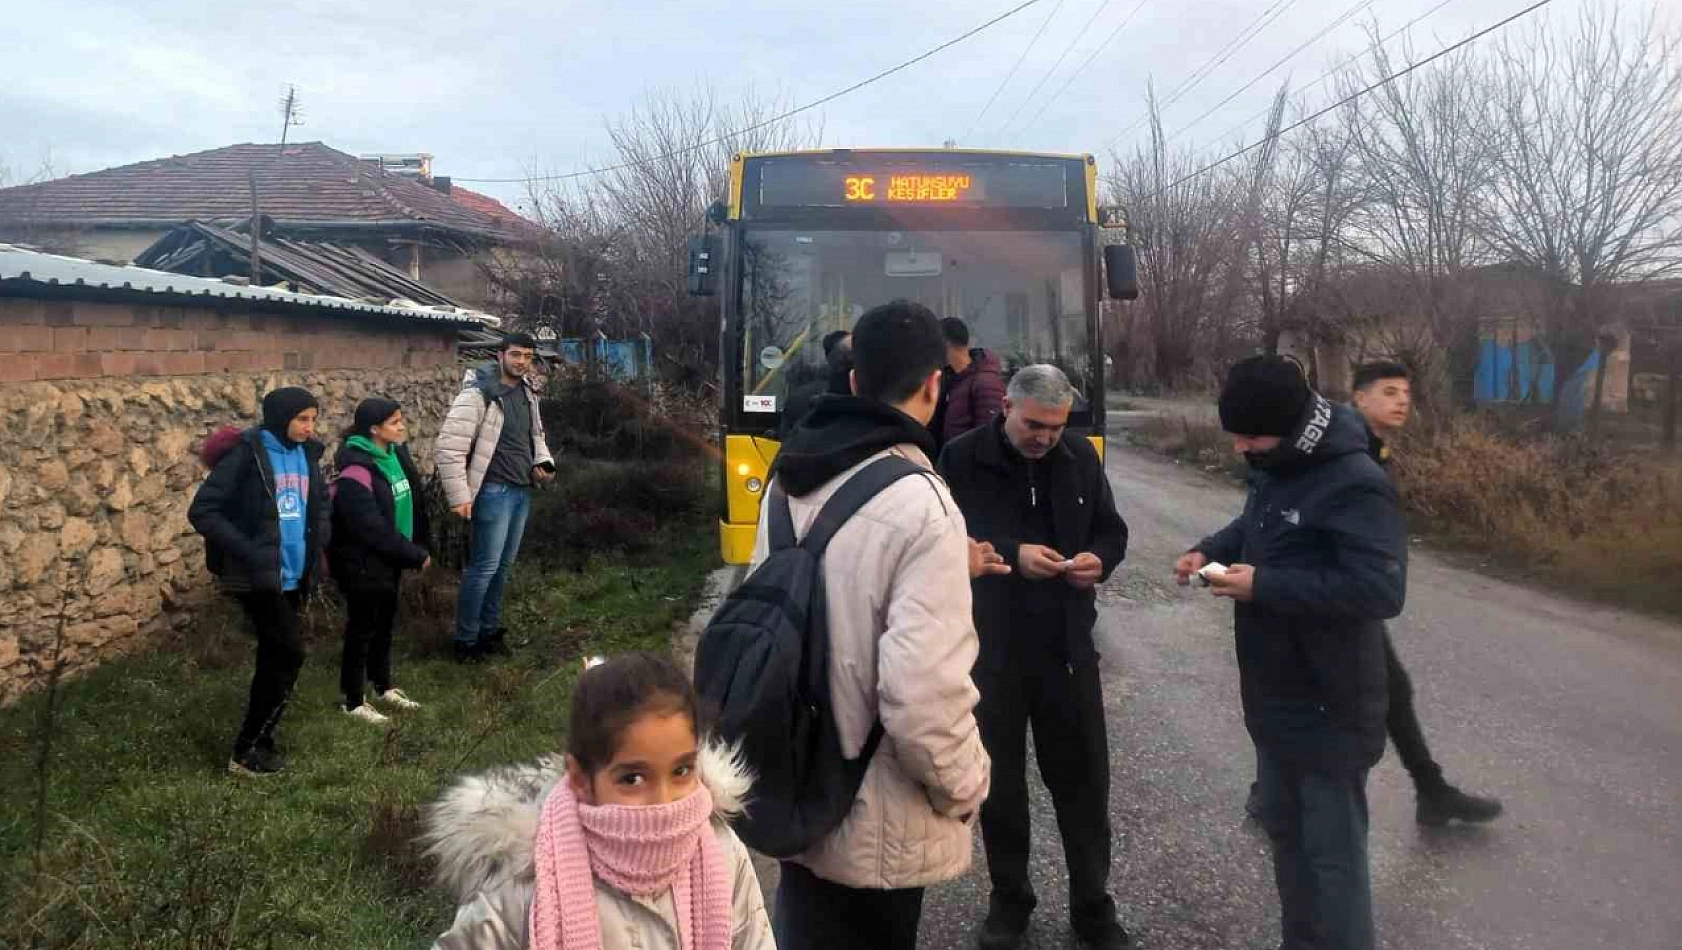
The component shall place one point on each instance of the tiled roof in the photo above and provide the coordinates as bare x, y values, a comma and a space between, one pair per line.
306, 184
485, 204
22, 269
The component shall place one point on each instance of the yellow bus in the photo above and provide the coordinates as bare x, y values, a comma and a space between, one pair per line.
1011, 242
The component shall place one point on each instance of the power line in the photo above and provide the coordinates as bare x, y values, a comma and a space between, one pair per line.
1238, 42
1269, 71
1076, 74
1340, 66
1012, 74
1043, 79
1351, 98
718, 140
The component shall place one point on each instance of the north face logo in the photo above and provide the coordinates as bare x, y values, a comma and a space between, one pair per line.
1316, 428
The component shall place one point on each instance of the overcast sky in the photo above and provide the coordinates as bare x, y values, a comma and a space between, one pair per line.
498, 88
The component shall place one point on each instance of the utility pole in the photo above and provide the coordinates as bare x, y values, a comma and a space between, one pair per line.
256, 234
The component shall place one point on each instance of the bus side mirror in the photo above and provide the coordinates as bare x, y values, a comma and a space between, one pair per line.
703, 274
1121, 272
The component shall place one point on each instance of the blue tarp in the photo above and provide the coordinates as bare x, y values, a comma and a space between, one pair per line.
1496, 380
618, 359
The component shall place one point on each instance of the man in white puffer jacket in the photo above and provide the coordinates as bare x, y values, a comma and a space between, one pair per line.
902, 643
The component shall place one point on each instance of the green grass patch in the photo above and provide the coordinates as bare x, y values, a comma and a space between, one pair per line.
148, 841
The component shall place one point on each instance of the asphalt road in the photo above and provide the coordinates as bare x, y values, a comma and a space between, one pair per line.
1570, 713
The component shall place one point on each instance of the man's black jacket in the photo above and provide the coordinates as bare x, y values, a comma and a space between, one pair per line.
1323, 529
989, 480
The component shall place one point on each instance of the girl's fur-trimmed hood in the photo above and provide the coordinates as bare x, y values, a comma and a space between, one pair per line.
482, 828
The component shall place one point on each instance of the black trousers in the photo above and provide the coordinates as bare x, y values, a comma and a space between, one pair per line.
370, 616
1317, 821
280, 654
1402, 722
1064, 705
815, 914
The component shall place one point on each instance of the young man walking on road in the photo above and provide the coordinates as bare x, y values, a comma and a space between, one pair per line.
1318, 563
490, 452
901, 648
1038, 494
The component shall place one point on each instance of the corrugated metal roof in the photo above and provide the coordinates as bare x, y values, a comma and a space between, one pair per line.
24, 266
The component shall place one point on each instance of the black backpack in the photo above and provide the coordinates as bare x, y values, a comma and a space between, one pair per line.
763, 667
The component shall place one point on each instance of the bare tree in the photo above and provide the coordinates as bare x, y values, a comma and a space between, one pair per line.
1187, 234
1423, 165
1586, 137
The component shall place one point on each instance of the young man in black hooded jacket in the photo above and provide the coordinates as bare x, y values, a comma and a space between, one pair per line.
1318, 562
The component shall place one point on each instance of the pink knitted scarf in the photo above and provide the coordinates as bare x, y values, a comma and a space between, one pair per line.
641, 851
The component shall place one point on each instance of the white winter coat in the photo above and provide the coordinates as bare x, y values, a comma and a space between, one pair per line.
462, 459
902, 644
482, 830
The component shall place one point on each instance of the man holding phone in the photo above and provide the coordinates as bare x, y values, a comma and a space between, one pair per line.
1039, 496
490, 452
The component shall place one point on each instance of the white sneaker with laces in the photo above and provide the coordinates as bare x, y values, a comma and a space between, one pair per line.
396, 700
368, 714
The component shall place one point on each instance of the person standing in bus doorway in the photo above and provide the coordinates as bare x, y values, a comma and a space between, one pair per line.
972, 391
1040, 496
490, 452
902, 645
836, 381
1318, 563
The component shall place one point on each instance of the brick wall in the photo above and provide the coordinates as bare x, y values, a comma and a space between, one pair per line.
44, 340
104, 407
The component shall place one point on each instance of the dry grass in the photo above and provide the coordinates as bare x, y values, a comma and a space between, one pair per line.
1595, 518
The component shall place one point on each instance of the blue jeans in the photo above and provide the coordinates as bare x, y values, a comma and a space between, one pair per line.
1318, 823
499, 521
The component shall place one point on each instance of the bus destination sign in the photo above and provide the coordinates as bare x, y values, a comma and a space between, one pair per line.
802, 183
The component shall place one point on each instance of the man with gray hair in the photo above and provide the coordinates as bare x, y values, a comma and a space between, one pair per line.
1039, 496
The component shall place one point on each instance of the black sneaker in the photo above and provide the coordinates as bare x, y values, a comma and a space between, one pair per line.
469, 653
1006, 924
1252, 802
1447, 804
1110, 935
256, 760
495, 644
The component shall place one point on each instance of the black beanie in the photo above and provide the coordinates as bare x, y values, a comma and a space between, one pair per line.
371, 412
1264, 395
282, 406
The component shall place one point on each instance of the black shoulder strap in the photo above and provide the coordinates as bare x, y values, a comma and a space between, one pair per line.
853, 495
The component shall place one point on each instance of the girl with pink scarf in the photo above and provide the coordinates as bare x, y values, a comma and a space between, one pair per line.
625, 844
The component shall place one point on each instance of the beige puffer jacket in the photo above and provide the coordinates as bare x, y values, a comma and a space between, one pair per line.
463, 460
482, 829
902, 642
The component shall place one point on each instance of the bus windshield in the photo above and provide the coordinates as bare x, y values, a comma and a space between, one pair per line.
1021, 292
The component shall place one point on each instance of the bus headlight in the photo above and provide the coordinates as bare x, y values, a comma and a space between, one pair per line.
754, 485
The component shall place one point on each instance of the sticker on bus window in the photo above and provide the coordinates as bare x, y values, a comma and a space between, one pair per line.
759, 403
771, 358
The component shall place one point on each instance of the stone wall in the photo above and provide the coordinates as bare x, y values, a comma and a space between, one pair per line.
95, 479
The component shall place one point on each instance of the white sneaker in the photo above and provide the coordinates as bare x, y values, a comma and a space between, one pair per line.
396, 700
368, 714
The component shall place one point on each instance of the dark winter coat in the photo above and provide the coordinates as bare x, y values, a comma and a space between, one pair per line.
368, 552
1322, 527
974, 397
991, 484
236, 513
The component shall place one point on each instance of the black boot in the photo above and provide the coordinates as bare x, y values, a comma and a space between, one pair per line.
1441, 804
1006, 923
469, 653
494, 643
1096, 927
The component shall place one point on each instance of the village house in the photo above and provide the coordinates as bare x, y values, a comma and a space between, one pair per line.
390, 207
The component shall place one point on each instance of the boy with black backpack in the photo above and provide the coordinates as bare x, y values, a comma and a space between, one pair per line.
842, 664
